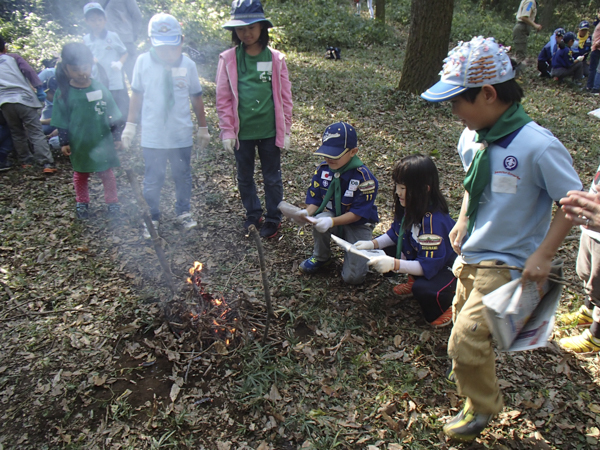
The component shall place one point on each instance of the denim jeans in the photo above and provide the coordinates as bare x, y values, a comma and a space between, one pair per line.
594, 58
270, 160
154, 177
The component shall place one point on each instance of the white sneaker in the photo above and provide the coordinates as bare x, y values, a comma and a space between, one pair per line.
187, 221
146, 233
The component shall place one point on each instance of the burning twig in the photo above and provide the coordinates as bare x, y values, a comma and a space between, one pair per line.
160, 253
263, 272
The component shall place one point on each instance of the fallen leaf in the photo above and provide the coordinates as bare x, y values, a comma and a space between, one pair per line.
174, 392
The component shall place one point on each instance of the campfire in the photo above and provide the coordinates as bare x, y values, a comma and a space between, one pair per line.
211, 318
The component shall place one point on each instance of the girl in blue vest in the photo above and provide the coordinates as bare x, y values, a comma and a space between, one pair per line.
419, 239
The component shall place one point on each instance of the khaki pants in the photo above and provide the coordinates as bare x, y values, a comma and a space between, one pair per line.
520, 34
588, 267
470, 344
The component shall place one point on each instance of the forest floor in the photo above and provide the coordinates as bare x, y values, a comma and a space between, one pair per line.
88, 360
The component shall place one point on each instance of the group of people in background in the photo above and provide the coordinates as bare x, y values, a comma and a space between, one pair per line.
515, 169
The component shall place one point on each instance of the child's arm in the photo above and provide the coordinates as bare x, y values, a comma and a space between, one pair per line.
135, 110
537, 266
198, 107
459, 231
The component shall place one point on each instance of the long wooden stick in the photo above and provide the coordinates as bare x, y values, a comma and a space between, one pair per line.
156, 241
263, 272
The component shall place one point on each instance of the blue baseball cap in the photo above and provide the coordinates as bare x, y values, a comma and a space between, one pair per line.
246, 12
584, 24
570, 36
164, 29
338, 139
469, 65
559, 32
91, 7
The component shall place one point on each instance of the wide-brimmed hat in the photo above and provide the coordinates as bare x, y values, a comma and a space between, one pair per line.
469, 65
338, 139
246, 12
164, 29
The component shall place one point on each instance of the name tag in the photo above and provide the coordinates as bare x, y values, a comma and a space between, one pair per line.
349, 193
179, 71
264, 66
504, 184
94, 96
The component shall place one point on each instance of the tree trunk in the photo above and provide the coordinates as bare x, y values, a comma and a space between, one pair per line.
427, 44
380, 10
546, 15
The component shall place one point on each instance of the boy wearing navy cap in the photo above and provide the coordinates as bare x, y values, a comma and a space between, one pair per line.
545, 56
165, 82
515, 171
341, 197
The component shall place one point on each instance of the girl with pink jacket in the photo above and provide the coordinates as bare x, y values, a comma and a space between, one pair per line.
254, 104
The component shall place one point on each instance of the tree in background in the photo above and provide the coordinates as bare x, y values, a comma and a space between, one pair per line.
380, 10
427, 45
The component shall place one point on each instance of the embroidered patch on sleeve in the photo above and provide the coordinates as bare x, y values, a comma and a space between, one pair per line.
430, 241
316, 184
367, 187
312, 194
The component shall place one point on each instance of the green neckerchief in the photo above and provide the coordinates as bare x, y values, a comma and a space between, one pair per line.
479, 176
399, 243
240, 54
167, 88
335, 188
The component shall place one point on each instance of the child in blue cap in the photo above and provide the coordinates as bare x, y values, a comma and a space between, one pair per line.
563, 63
109, 53
516, 170
545, 56
165, 82
341, 197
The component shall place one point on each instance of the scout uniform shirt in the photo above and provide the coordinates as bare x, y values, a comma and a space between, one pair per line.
107, 49
427, 242
359, 189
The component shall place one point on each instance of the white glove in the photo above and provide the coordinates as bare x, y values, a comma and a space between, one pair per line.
382, 264
323, 224
304, 214
364, 245
287, 141
116, 66
203, 137
229, 145
128, 134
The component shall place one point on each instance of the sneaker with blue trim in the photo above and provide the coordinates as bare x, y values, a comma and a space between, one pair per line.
187, 221
313, 265
467, 425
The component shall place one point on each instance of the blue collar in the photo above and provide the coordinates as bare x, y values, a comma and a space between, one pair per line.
506, 140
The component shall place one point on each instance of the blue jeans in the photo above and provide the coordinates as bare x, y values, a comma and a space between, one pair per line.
270, 160
594, 58
154, 177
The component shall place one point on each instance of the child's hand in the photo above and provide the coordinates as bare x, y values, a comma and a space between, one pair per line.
323, 224
364, 245
302, 217
66, 150
203, 137
382, 264
118, 145
229, 145
457, 235
128, 135
537, 268
116, 66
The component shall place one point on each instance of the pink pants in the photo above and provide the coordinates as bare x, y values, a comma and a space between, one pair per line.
82, 195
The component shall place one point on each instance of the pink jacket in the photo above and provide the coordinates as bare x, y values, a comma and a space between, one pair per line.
227, 96
596, 38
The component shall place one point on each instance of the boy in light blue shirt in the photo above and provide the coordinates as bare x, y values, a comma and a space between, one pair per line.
109, 54
164, 84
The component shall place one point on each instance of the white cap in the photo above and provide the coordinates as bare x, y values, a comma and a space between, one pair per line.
164, 29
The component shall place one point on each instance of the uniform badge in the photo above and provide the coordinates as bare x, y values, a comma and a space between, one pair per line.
353, 185
430, 241
367, 187
316, 184
349, 193
510, 163
327, 176
325, 183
